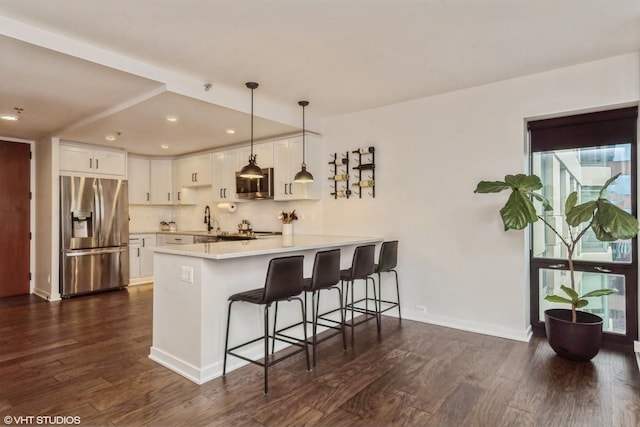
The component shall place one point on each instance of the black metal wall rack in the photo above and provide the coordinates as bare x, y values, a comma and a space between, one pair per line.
365, 170
340, 178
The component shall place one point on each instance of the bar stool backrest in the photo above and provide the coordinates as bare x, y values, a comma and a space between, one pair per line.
388, 256
326, 269
284, 278
363, 262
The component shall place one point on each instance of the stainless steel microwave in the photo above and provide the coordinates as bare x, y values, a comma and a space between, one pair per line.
251, 188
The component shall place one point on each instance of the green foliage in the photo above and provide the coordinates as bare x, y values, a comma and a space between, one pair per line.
608, 222
575, 300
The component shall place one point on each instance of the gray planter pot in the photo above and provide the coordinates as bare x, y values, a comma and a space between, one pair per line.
576, 341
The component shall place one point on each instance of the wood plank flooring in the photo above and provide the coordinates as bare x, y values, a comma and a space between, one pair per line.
87, 357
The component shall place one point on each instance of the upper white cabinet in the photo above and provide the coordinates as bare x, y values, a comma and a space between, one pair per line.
196, 170
181, 195
287, 155
92, 160
161, 181
138, 177
150, 181
263, 152
225, 165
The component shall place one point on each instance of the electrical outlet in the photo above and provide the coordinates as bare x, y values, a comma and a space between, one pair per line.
421, 309
186, 274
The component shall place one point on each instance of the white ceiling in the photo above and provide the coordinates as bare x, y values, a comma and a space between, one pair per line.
343, 56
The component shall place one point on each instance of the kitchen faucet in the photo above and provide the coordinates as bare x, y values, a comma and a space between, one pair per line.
207, 219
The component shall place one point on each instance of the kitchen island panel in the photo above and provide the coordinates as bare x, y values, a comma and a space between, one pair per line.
189, 319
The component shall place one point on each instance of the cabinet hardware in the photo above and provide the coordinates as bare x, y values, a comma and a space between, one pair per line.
169, 196
602, 269
90, 163
97, 164
138, 252
179, 199
556, 266
225, 193
147, 197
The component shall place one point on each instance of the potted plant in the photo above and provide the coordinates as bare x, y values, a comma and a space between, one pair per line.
571, 333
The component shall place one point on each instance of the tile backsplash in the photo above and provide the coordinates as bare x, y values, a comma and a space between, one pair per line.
262, 214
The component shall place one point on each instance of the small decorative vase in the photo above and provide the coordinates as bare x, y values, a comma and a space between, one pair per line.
287, 229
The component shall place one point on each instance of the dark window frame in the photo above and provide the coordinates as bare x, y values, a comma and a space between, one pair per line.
611, 127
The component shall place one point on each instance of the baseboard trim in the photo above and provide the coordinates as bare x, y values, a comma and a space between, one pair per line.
478, 328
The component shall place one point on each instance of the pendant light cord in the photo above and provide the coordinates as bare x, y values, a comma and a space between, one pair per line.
251, 123
304, 149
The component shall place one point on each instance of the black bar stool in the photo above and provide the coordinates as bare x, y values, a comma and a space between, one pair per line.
283, 283
387, 263
362, 267
326, 275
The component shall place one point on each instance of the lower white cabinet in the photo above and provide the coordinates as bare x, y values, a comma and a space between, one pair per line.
141, 257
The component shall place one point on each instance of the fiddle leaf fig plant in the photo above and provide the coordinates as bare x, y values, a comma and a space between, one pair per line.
608, 222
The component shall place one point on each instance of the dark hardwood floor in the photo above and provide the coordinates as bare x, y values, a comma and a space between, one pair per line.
87, 357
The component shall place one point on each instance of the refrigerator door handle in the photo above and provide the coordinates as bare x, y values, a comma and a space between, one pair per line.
96, 251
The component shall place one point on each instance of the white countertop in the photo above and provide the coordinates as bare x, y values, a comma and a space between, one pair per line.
265, 246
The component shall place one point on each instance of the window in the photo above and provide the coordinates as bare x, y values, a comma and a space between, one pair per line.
579, 153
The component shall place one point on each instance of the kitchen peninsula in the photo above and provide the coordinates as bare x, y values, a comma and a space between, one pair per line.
191, 287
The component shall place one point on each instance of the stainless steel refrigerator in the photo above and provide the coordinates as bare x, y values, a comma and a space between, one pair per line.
94, 235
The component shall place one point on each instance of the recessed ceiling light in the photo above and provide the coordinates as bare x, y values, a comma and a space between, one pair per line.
164, 146
12, 117
231, 131
172, 119
113, 136
9, 117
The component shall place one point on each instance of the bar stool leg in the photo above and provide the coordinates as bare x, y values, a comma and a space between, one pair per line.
377, 305
304, 330
398, 295
226, 340
353, 329
266, 349
275, 321
314, 325
344, 334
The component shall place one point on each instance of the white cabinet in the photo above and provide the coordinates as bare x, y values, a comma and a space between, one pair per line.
174, 239
161, 181
263, 152
181, 195
92, 160
141, 257
225, 165
196, 170
150, 181
287, 155
138, 177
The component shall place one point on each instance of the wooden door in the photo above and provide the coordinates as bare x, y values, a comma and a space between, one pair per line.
14, 218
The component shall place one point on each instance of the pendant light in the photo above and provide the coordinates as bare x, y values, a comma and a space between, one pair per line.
303, 176
251, 170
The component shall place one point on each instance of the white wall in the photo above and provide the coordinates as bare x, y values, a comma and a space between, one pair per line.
455, 258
